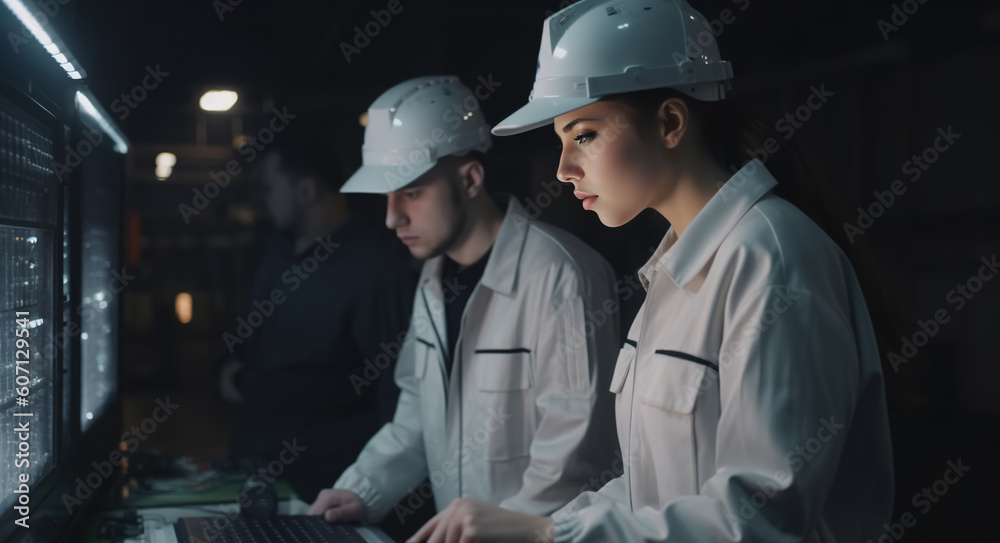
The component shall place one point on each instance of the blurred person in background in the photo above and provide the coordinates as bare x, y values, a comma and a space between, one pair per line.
309, 362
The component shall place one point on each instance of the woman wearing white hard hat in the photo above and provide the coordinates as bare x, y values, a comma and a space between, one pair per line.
750, 400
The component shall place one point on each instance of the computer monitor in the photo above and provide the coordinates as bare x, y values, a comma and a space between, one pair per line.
60, 218
102, 281
29, 232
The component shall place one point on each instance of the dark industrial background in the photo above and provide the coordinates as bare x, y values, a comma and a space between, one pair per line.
892, 90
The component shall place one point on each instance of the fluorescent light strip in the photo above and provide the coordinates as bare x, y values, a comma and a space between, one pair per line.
71, 69
121, 144
28, 20
53, 45
50, 43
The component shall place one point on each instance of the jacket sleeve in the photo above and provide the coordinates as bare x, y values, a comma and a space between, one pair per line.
788, 384
570, 445
393, 461
612, 492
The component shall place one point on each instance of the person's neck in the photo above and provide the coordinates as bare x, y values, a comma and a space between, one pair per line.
696, 184
319, 219
481, 231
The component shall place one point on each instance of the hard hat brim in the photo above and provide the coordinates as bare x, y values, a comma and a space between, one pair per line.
539, 112
383, 179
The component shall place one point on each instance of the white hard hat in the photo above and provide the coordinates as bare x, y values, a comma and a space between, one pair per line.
411, 126
596, 48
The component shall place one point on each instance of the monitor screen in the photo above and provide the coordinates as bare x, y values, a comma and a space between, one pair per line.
101, 285
27, 304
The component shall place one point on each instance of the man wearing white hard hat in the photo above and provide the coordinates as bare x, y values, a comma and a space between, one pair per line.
505, 360
750, 399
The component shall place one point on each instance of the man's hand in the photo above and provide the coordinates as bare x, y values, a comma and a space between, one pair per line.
338, 505
227, 381
468, 521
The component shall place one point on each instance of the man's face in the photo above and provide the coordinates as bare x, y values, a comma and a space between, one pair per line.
428, 215
279, 193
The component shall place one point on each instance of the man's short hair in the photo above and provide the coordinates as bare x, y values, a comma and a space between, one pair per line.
475, 155
456, 160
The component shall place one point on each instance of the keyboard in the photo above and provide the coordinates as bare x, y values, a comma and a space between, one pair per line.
282, 529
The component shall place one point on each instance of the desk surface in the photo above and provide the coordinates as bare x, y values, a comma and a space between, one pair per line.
208, 488
160, 502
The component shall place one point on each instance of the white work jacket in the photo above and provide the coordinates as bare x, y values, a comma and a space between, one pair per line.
750, 398
513, 425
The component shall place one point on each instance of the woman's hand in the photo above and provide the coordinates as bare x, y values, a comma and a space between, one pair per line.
468, 521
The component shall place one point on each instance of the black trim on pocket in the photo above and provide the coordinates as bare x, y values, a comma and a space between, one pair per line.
503, 351
632, 343
427, 343
689, 357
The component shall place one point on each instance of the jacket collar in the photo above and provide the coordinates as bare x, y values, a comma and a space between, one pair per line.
683, 259
500, 274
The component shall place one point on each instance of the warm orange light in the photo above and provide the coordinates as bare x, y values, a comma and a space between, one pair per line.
183, 307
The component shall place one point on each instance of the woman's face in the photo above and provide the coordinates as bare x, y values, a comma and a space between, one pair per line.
613, 170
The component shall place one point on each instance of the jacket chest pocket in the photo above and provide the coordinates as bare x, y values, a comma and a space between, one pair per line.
668, 388
425, 354
430, 381
674, 380
623, 405
432, 393
506, 422
626, 358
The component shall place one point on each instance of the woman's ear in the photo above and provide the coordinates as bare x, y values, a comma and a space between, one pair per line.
673, 119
